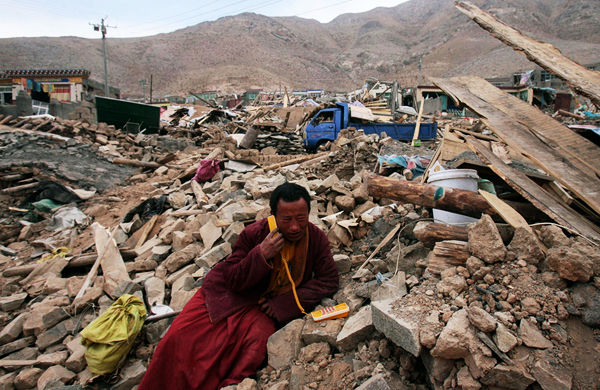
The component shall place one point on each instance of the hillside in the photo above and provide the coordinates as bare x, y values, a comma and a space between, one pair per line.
250, 50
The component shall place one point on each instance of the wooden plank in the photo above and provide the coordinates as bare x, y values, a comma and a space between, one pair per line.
584, 81
563, 168
507, 213
418, 125
556, 134
534, 193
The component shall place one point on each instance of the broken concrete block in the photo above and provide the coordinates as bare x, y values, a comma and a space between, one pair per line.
180, 297
570, 263
42, 318
399, 324
74, 284
327, 184
55, 334
501, 375
213, 256
504, 339
27, 378
176, 200
53, 284
76, 361
485, 241
527, 246
155, 330
52, 358
178, 259
16, 345
315, 352
210, 233
481, 319
343, 263
12, 302
552, 236
131, 375
91, 295
27, 353
284, 345
7, 381
322, 331
345, 202
452, 285
188, 269
531, 335
551, 376
375, 383
452, 343
356, 329
393, 288
54, 372
166, 234
13, 329
361, 193
155, 291
160, 252
465, 380
232, 232
180, 240
247, 384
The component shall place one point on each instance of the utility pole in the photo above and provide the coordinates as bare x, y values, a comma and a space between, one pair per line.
143, 83
102, 28
150, 89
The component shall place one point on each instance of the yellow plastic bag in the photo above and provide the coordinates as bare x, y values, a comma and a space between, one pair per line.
109, 337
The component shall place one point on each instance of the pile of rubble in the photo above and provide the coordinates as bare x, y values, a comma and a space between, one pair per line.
488, 306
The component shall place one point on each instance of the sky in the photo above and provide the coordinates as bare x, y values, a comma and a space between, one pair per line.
137, 18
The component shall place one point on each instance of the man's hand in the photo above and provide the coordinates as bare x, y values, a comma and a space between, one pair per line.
265, 307
271, 245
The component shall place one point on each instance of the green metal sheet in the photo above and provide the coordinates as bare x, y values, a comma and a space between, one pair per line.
119, 112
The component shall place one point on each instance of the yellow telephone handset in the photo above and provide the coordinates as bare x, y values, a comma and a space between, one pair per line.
272, 223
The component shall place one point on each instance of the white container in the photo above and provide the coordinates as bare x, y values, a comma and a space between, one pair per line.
463, 179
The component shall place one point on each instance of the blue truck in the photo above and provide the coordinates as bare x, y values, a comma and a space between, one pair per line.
327, 123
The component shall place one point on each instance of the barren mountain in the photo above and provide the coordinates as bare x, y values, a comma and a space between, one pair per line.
250, 50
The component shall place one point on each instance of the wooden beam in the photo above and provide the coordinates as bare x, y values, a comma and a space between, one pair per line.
534, 193
430, 232
135, 163
449, 199
584, 81
523, 134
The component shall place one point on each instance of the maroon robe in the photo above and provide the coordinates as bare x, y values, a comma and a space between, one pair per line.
221, 335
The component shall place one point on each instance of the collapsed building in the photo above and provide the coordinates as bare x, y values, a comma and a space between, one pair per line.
509, 300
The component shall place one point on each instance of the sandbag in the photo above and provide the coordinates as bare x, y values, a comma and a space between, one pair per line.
109, 337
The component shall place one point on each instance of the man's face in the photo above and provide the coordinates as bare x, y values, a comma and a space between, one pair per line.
292, 219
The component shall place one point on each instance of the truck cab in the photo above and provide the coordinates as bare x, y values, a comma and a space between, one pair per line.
322, 128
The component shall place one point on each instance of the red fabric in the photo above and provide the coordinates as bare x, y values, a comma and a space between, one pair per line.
197, 354
206, 170
241, 279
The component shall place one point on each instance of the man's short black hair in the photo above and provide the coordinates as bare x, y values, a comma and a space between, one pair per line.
288, 192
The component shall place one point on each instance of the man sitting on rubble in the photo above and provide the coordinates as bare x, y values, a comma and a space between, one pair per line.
221, 335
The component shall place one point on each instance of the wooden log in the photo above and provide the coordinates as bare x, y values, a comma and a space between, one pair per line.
430, 232
11, 190
17, 363
136, 163
21, 270
449, 199
447, 254
570, 114
201, 198
7, 119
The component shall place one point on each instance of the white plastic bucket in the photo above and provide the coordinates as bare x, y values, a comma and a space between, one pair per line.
463, 179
